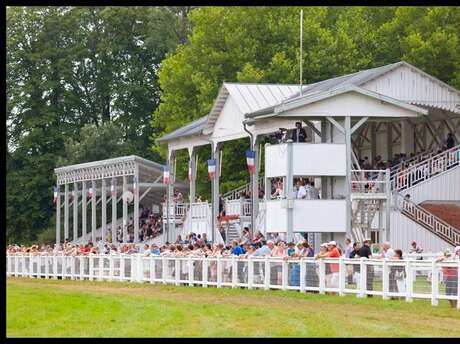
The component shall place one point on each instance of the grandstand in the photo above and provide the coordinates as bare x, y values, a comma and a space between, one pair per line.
395, 109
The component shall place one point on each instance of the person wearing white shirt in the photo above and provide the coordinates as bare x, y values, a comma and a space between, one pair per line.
301, 191
388, 252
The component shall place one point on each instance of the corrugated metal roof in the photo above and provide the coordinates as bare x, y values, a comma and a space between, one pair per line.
354, 79
190, 129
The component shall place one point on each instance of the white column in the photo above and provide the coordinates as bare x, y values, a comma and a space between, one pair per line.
58, 216
215, 190
255, 184
136, 206
66, 212
104, 210
289, 189
83, 209
93, 212
75, 211
348, 149
192, 183
114, 211
125, 211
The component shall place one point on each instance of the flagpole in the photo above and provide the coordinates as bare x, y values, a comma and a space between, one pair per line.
301, 36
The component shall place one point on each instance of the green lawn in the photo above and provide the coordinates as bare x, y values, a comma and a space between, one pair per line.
55, 308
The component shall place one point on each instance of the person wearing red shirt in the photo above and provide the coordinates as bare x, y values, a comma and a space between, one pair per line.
332, 279
450, 274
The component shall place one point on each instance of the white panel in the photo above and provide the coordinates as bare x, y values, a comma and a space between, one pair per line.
276, 216
319, 216
404, 230
275, 160
443, 187
319, 159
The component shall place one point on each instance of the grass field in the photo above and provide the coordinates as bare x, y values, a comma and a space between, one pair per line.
55, 308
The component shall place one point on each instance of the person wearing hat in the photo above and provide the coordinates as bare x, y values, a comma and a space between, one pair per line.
298, 134
450, 274
365, 251
332, 278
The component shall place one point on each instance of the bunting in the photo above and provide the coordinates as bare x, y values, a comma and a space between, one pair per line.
166, 178
250, 160
55, 191
211, 168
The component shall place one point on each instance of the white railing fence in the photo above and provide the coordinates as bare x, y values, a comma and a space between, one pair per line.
369, 181
407, 279
421, 171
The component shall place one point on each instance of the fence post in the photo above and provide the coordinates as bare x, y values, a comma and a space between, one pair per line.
140, 268
409, 279
362, 278
164, 266
133, 267
342, 275
219, 273
31, 266
434, 283
205, 272
64, 267
177, 270
302, 274
190, 271
91, 267
284, 275
72, 267
322, 276
385, 280
47, 267
234, 272
55, 267
82, 267
267, 273
122, 267
111, 267
16, 266
250, 272
152, 270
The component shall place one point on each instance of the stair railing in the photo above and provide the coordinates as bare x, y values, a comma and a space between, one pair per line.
236, 193
430, 221
410, 176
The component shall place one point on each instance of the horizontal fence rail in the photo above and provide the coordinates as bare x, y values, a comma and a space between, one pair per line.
406, 279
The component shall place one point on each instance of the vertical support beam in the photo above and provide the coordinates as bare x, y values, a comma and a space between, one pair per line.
389, 140
288, 188
388, 205
58, 216
104, 210
215, 189
114, 209
66, 212
170, 194
125, 211
348, 149
407, 137
192, 182
83, 209
255, 184
136, 205
93, 212
75, 211
373, 140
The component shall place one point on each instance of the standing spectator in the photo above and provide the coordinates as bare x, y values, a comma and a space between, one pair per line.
348, 248
387, 251
365, 251
355, 255
301, 191
450, 274
332, 281
397, 275
415, 249
298, 134
450, 141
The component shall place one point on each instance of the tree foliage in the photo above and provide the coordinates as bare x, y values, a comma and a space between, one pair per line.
70, 72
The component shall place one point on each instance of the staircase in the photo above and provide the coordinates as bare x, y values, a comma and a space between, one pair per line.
424, 214
232, 232
364, 211
246, 188
429, 221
